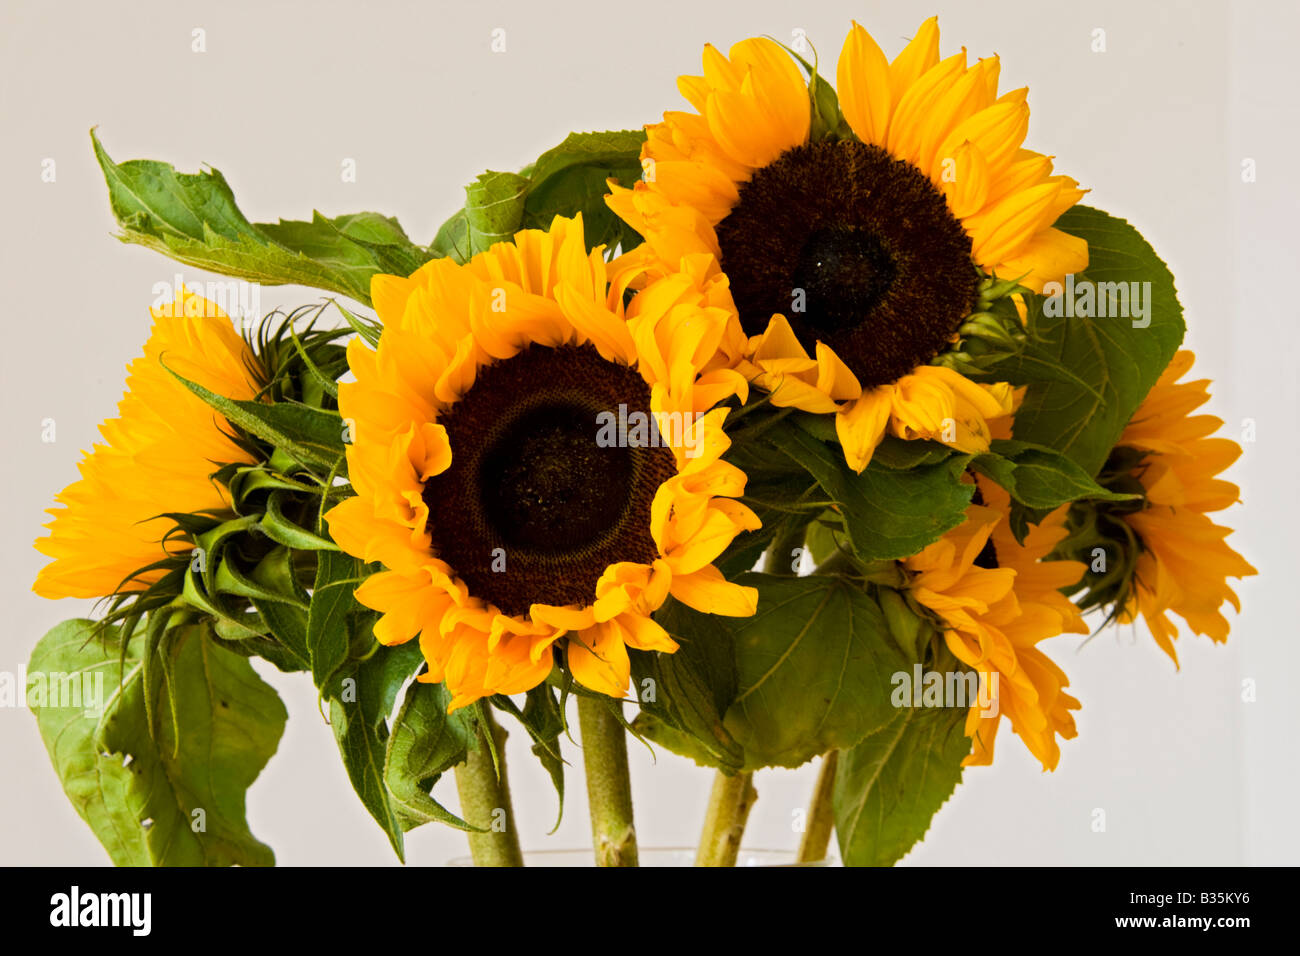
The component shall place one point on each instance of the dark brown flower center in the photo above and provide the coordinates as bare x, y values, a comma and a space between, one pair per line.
856, 249
538, 502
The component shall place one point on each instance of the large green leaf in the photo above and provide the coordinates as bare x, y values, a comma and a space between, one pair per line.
566, 180
193, 218
888, 513
174, 798
813, 668
689, 691
572, 178
494, 209
890, 785
1111, 364
425, 743
359, 711
331, 615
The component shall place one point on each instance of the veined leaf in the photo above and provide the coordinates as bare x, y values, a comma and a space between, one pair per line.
888, 513
1113, 363
691, 689
814, 668
891, 784
149, 801
330, 617
1039, 477
494, 209
425, 743
193, 218
359, 714
572, 178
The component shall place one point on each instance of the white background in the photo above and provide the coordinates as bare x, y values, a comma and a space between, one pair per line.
1157, 127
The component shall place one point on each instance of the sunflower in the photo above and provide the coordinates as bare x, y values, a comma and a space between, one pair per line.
507, 477
109, 529
1183, 561
855, 255
998, 599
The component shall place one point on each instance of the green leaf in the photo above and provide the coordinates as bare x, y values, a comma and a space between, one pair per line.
1113, 365
691, 689
890, 785
572, 178
899, 454
543, 718
359, 714
1039, 477
193, 218
452, 240
813, 667
494, 209
167, 805
887, 513
425, 743
659, 732
330, 617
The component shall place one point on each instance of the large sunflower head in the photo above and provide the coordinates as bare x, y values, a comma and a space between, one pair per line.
537, 471
997, 598
110, 533
1165, 554
855, 253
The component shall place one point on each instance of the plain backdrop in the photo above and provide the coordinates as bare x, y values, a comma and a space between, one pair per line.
1157, 126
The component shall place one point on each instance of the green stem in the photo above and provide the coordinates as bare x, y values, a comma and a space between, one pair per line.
821, 814
730, 801
779, 558
485, 800
609, 788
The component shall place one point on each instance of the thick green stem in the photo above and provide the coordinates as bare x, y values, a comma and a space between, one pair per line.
609, 788
821, 814
485, 801
730, 801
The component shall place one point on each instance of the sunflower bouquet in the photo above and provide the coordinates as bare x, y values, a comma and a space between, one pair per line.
802, 424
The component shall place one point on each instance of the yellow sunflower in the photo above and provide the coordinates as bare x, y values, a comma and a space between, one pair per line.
998, 599
1184, 561
506, 474
157, 457
854, 257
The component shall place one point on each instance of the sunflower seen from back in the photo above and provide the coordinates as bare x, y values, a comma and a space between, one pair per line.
855, 251
506, 475
110, 533
1166, 555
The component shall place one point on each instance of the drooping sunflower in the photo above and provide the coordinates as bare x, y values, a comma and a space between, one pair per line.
1181, 561
506, 474
998, 600
855, 255
157, 457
